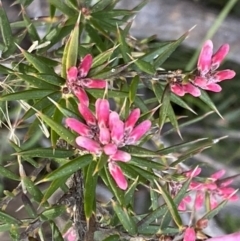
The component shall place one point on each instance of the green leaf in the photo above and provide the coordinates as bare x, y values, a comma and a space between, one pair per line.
5, 70
123, 45
26, 95
129, 195
112, 237
168, 50
52, 79
32, 189
63, 7
56, 234
28, 206
141, 152
32, 31
205, 98
52, 212
69, 168
42, 104
171, 206
133, 88
36, 82
145, 66
72, 50
103, 57
5, 227
101, 162
143, 162
165, 101
98, 93
57, 183
40, 65
46, 153
95, 37
5, 28
59, 129
173, 120
5, 172
90, 190
6, 218
125, 219
18, 149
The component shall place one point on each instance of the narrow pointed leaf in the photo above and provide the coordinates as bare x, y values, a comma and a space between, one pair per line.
6, 218
59, 129
145, 66
57, 183
5, 172
123, 45
129, 195
90, 190
56, 234
52, 212
47, 153
133, 88
69, 168
168, 50
26, 95
63, 7
143, 162
125, 219
205, 98
73, 45
28, 206
40, 65
141, 152
32, 189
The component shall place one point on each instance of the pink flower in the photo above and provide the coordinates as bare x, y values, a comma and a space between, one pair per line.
181, 89
189, 234
70, 235
106, 132
77, 80
215, 187
207, 77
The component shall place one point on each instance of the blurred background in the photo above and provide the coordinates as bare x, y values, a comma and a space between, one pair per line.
218, 20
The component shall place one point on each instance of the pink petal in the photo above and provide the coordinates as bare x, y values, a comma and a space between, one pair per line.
218, 57
104, 135
217, 175
191, 89
213, 87
113, 118
110, 149
225, 182
94, 83
117, 175
205, 57
228, 237
81, 95
117, 132
213, 202
200, 81
79, 127
72, 74
131, 120
102, 112
224, 74
121, 156
177, 89
138, 132
189, 234
70, 235
85, 66
87, 114
88, 144
182, 206
193, 173
199, 199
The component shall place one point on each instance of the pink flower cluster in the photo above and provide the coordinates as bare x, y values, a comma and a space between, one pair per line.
105, 132
77, 80
216, 188
207, 76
